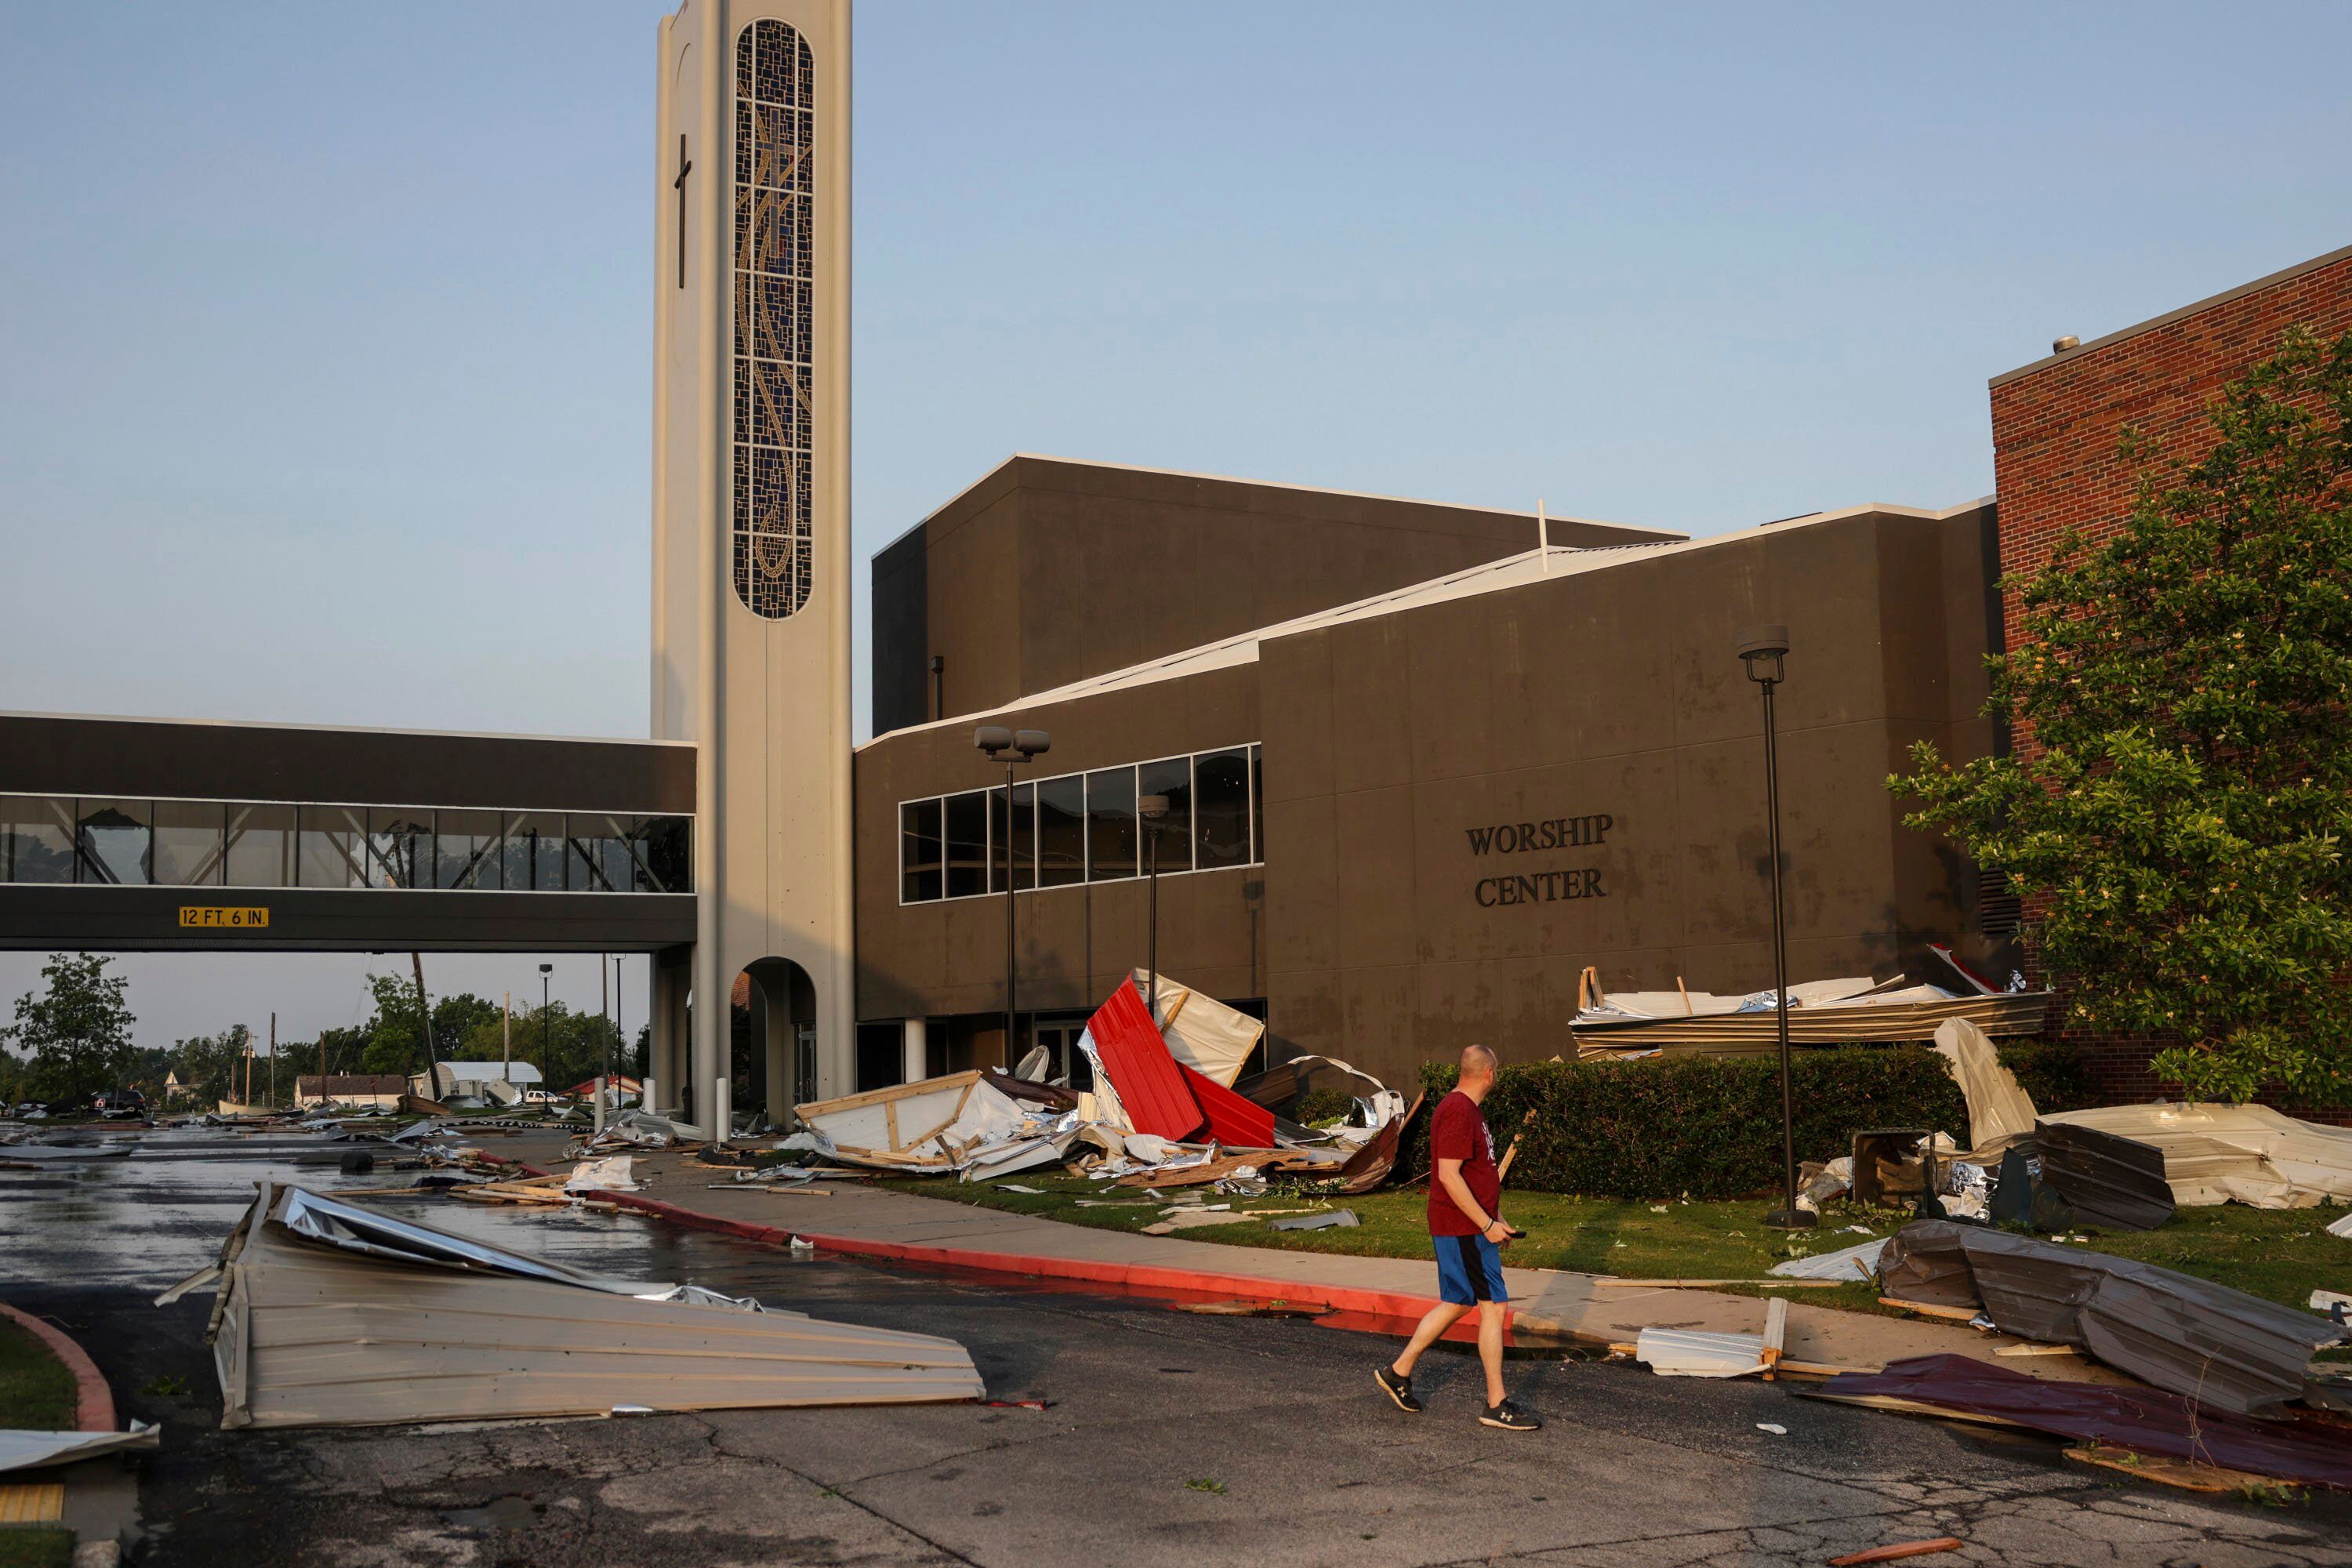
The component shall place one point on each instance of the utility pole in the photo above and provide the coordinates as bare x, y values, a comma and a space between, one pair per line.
273, 1061
425, 1018
506, 1039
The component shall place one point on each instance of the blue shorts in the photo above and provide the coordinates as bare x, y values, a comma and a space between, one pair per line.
1469, 1269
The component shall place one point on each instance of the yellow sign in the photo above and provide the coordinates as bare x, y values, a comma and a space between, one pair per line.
200, 915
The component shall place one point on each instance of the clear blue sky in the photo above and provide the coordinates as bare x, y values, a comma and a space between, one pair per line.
326, 329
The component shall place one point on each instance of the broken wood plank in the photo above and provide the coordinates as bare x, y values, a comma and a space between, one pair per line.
1776, 1332
1900, 1548
1703, 1284
1933, 1310
2188, 1475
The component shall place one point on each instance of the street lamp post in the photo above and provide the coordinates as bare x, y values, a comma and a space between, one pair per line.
1015, 746
546, 1057
1762, 649
1153, 809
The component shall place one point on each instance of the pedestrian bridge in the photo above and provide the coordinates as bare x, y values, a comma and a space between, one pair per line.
130, 834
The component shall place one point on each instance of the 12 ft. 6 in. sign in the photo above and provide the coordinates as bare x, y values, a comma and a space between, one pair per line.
210, 917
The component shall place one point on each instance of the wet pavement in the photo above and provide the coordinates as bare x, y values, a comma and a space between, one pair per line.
1168, 1437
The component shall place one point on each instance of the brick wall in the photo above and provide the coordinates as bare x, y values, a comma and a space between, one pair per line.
2055, 428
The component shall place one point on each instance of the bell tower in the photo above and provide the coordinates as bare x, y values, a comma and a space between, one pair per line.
751, 567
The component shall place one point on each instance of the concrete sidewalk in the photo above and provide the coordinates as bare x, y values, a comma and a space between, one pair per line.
863, 1221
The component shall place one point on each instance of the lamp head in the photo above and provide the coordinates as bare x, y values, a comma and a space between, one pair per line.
1152, 807
547, 969
1762, 648
1031, 742
991, 739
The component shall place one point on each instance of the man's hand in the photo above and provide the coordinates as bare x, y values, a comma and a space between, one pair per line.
1498, 1233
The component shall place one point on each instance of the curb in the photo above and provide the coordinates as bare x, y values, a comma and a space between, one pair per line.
94, 1400
1144, 1278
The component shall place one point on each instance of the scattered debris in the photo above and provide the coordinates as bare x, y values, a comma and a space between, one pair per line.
1821, 1013
1772, 1427
608, 1175
1842, 1267
1345, 1219
2294, 1449
2190, 1475
1692, 1352
331, 1314
2107, 1180
1899, 1549
21, 1449
2230, 1351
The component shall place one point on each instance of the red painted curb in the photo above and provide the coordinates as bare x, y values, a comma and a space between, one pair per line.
94, 1400
1141, 1276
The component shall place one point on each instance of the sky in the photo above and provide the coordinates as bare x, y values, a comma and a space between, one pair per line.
327, 331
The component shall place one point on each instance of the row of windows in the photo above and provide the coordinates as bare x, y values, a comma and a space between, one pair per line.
234, 844
1084, 828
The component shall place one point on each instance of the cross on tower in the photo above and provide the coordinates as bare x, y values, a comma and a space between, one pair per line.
684, 168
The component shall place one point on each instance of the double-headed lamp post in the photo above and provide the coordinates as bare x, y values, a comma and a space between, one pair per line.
1153, 810
997, 743
1763, 650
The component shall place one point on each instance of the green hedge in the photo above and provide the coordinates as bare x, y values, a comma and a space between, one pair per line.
1710, 1127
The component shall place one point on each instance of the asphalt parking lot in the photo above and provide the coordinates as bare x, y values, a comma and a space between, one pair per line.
1167, 1437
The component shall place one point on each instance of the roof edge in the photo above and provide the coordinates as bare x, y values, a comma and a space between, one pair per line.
2285, 275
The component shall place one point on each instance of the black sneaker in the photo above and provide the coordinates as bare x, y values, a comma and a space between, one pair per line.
1399, 1389
1510, 1418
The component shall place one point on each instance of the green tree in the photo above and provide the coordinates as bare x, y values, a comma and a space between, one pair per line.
213, 1065
77, 1033
2180, 813
568, 1048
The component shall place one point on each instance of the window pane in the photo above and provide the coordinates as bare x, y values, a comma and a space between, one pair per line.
1061, 831
967, 830
260, 846
1257, 804
465, 848
600, 853
400, 847
1221, 831
35, 839
1172, 836
1111, 841
919, 851
115, 842
665, 863
333, 850
1020, 835
188, 843
534, 852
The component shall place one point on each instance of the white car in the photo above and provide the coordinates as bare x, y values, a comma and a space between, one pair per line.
542, 1097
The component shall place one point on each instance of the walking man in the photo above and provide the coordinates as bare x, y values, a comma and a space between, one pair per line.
1466, 1229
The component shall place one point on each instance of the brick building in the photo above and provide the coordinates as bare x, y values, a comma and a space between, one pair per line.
2056, 425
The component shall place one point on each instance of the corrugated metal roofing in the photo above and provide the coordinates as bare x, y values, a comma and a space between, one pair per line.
1150, 1083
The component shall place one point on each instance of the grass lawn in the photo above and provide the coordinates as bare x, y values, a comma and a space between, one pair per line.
2283, 1254
37, 1391
35, 1546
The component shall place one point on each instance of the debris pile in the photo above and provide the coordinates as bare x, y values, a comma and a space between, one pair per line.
1165, 1109
1631, 1024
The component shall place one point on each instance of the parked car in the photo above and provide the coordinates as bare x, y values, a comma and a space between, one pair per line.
543, 1097
120, 1104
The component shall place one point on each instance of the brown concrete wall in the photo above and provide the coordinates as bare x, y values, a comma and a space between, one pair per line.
1102, 567
948, 957
1612, 693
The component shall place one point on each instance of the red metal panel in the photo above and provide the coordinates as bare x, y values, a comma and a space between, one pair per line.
1233, 1121
1150, 1082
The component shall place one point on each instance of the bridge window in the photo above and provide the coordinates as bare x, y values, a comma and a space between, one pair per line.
37, 840
333, 850
468, 849
535, 852
400, 848
247, 844
260, 846
188, 842
114, 842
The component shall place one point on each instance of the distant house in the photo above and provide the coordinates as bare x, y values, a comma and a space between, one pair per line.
368, 1090
620, 1080
175, 1090
500, 1081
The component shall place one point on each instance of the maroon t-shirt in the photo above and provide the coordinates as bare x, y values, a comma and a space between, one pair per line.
1458, 1132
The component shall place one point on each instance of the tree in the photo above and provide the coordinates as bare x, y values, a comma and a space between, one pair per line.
2177, 805
211, 1067
78, 1035
568, 1048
